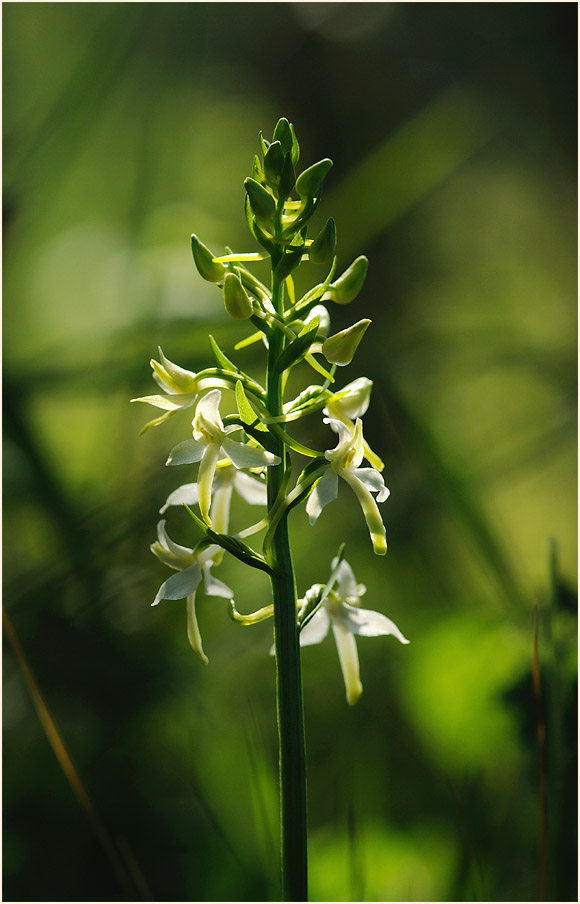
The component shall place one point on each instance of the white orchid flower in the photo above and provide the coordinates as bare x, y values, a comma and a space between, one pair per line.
181, 386
191, 569
344, 462
210, 441
351, 402
226, 480
341, 610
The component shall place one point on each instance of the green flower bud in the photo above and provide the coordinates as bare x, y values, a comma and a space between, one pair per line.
346, 288
204, 261
340, 348
261, 201
283, 134
287, 177
309, 183
295, 146
257, 171
236, 300
322, 249
273, 163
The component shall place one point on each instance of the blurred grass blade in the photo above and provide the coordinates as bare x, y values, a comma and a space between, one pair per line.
456, 488
543, 768
66, 763
408, 165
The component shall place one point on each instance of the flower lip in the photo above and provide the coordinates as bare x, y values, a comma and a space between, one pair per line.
344, 461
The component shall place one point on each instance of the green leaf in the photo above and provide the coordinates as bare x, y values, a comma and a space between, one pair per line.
221, 359
297, 348
316, 292
288, 262
247, 413
287, 177
292, 443
249, 340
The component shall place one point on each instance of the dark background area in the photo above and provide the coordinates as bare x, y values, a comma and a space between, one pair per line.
452, 128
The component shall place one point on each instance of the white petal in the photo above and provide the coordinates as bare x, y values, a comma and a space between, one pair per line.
348, 656
253, 491
183, 495
180, 375
178, 586
367, 623
193, 634
374, 482
242, 456
346, 587
354, 400
213, 587
325, 491
208, 409
344, 434
167, 543
205, 479
186, 453
173, 403
220, 505
316, 629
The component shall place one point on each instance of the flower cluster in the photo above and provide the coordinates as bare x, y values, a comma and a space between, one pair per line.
248, 449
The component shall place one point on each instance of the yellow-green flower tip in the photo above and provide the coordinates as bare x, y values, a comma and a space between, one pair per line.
346, 288
309, 183
206, 266
236, 300
322, 248
261, 201
340, 348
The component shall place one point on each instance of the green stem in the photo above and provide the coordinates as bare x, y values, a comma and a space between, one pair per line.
288, 677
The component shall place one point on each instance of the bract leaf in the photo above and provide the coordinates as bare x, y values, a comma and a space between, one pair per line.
288, 262
249, 340
222, 360
297, 348
316, 292
247, 413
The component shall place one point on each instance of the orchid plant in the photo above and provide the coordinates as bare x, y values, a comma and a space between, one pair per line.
253, 453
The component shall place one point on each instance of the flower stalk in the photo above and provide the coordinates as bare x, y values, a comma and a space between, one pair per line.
289, 705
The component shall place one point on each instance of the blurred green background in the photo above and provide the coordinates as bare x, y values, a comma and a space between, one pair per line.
453, 133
